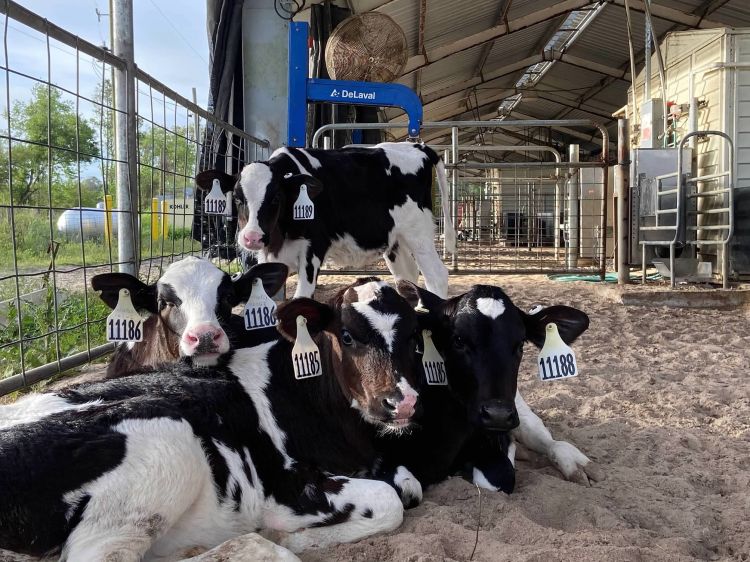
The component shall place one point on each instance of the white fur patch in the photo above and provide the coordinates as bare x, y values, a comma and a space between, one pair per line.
254, 181
490, 307
314, 162
512, 453
369, 291
411, 488
284, 150
480, 480
405, 388
404, 156
251, 367
35, 407
383, 323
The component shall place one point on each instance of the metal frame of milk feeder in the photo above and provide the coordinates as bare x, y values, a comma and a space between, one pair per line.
303, 90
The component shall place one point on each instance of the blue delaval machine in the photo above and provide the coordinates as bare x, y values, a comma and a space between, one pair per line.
303, 90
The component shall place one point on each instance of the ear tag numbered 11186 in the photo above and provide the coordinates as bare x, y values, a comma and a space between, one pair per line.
216, 203
260, 310
432, 362
124, 324
305, 354
304, 208
556, 359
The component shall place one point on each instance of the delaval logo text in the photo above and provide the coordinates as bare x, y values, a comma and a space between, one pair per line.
352, 94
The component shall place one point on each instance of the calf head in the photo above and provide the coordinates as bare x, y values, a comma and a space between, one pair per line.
191, 301
265, 197
368, 336
481, 335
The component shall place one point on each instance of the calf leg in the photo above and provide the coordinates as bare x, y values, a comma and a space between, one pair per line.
532, 433
338, 510
432, 267
401, 263
307, 277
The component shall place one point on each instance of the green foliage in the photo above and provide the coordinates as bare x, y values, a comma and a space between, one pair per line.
46, 120
38, 320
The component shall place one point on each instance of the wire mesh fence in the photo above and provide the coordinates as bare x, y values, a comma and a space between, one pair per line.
60, 222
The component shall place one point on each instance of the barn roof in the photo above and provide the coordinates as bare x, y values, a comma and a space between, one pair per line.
532, 59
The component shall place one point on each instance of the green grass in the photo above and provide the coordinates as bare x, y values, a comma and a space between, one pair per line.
37, 320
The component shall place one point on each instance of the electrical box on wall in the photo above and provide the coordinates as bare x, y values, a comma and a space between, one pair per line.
652, 124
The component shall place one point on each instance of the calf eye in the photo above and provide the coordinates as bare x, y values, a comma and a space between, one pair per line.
458, 342
346, 337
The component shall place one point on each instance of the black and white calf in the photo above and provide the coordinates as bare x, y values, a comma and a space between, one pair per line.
154, 464
468, 425
190, 313
368, 202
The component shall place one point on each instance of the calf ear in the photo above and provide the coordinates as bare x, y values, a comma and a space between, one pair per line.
205, 180
273, 276
571, 323
314, 185
317, 314
416, 295
142, 295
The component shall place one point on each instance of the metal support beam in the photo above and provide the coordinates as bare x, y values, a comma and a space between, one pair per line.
125, 140
622, 184
421, 61
670, 14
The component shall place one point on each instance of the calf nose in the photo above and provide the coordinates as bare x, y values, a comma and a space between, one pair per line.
400, 406
252, 239
204, 338
497, 415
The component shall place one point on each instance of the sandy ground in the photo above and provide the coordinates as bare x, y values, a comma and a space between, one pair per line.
661, 404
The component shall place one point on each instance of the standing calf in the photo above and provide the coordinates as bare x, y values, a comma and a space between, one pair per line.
368, 202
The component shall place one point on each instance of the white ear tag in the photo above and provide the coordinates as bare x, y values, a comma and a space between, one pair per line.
215, 202
304, 208
434, 366
260, 310
421, 308
124, 323
556, 359
305, 354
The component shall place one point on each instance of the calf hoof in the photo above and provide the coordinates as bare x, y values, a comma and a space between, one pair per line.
408, 487
574, 465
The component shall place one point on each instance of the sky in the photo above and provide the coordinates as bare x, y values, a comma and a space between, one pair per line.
170, 44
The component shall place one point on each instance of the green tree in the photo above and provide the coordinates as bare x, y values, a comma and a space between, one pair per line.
45, 120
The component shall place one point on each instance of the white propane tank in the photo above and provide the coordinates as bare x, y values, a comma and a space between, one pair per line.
86, 220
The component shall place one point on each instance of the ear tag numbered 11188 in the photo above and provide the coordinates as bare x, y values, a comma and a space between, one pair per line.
124, 324
556, 359
305, 354
216, 203
260, 310
432, 362
304, 208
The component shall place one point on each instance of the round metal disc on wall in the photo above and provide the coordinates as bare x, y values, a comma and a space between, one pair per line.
369, 47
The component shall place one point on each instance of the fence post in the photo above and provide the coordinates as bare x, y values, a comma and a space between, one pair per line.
454, 190
573, 217
128, 236
622, 177
108, 219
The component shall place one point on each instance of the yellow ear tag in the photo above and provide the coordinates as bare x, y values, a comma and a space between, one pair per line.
216, 203
260, 310
556, 359
304, 208
305, 354
124, 323
432, 362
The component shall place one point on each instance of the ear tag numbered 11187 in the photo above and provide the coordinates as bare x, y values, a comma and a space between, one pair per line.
216, 203
556, 359
260, 310
304, 208
305, 354
432, 362
124, 324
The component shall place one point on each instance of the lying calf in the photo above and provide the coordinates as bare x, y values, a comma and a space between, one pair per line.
154, 464
481, 335
190, 313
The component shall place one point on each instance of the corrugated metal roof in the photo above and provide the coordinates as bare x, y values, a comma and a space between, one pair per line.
564, 85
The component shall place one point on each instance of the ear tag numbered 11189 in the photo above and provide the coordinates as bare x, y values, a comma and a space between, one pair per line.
216, 203
305, 354
432, 362
124, 324
260, 310
304, 208
556, 359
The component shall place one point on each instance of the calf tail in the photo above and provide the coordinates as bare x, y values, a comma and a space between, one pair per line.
450, 233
